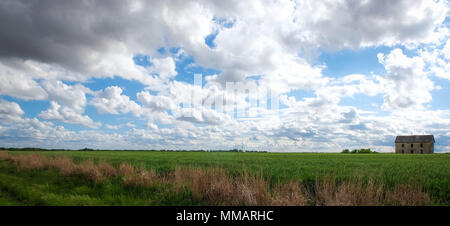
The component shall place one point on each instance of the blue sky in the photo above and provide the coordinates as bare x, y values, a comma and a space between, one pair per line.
340, 81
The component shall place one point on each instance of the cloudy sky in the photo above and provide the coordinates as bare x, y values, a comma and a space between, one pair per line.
120, 74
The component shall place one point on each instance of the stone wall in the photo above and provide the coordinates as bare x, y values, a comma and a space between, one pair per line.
428, 148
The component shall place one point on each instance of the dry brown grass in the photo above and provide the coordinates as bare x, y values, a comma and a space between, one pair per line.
132, 176
144, 178
106, 168
252, 190
64, 164
356, 193
4, 155
215, 186
289, 194
126, 169
89, 170
348, 193
407, 195
32, 161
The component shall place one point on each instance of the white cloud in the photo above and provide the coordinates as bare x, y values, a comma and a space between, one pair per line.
102, 45
349, 117
338, 24
152, 126
73, 97
164, 67
10, 110
16, 83
68, 115
438, 60
266, 37
67, 103
276, 41
155, 103
446, 50
116, 127
201, 115
407, 84
110, 101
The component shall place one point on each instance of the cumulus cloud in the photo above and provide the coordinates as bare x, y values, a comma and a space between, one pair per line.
16, 83
116, 127
67, 103
338, 24
266, 37
407, 84
201, 115
100, 37
103, 45
68, 115
155, 103
49, 49
446, 50
164, 67
350, 116
110, 101
438, 60
9, 110
69, 96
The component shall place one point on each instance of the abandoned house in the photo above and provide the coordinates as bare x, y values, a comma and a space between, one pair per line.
414, 144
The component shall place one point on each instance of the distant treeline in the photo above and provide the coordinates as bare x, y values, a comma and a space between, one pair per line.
161, 150
358, 151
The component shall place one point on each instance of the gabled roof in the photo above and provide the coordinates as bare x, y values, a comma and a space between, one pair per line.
415, 139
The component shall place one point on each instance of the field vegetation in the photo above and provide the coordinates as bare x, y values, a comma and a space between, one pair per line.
220, 178
359, 151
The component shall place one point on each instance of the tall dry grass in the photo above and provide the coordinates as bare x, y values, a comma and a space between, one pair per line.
350, 193
65, 165
289, 194
215, 186
137, 176
32, 161
407, 195
252, 190
106, 168
89, 170
356, 193
4, 155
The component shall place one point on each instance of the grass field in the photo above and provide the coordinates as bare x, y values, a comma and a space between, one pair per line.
48, 187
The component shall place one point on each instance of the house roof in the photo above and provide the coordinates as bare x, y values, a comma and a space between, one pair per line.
415, 139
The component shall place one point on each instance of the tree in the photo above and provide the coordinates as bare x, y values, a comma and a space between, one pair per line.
359, 151
365, 151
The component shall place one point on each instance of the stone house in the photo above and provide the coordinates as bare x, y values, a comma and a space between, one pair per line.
414, 144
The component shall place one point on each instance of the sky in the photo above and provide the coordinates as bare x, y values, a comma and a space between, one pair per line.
286, 76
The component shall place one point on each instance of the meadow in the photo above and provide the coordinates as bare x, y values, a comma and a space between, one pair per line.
208, 178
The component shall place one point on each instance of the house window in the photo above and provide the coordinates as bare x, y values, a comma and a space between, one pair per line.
421, 145
421, 151
403, 145
412, 151
412, 145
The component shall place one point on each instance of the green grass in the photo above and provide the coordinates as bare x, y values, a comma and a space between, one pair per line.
48, 188
432, 172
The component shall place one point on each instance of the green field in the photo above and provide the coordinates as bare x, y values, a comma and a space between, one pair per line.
47, 187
